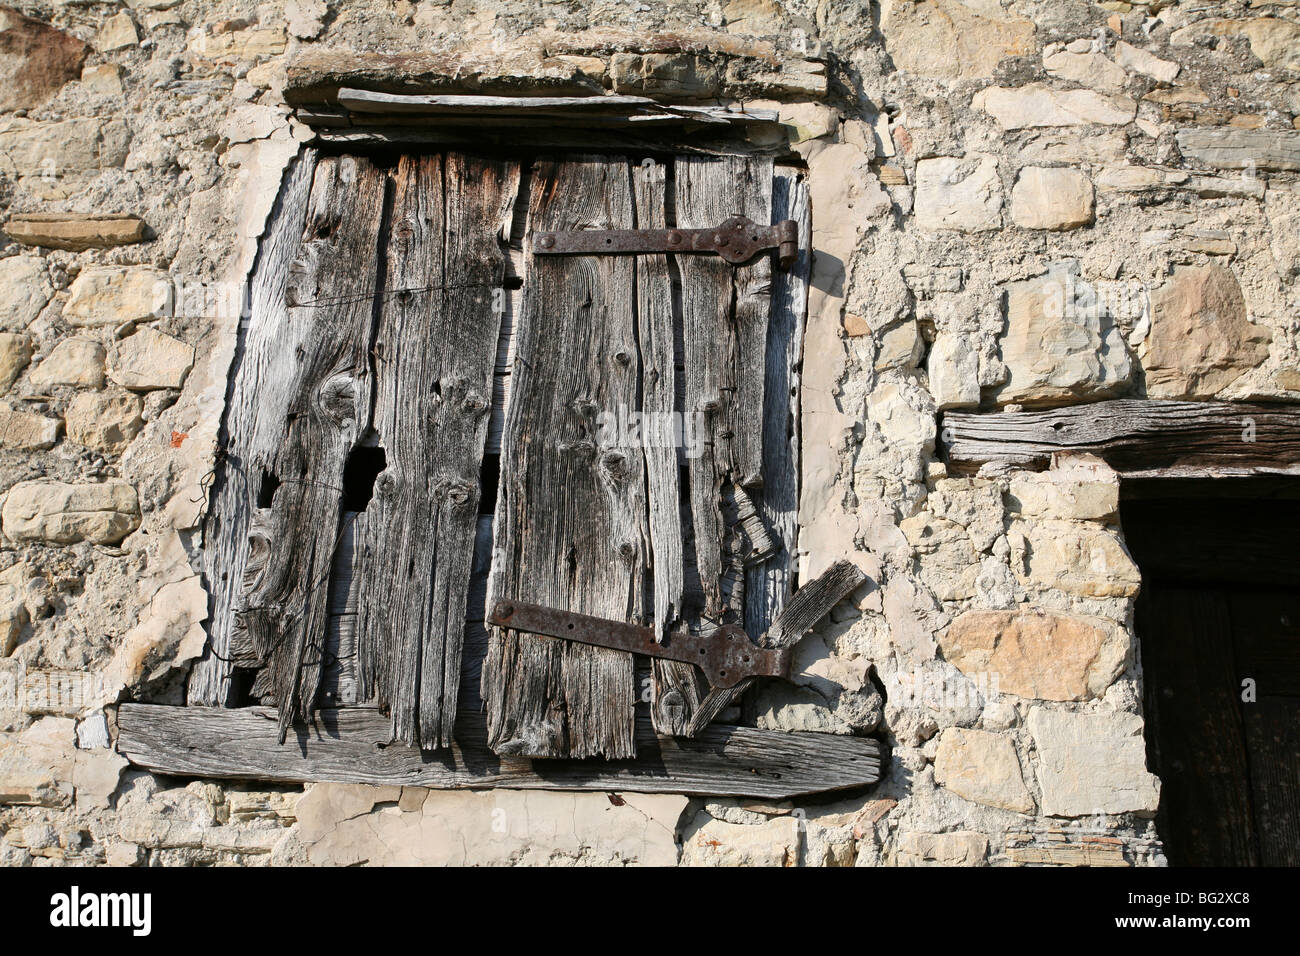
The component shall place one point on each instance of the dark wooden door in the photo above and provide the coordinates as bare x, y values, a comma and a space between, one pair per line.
1219, 626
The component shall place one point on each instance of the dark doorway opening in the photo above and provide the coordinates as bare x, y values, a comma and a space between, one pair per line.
1218, 625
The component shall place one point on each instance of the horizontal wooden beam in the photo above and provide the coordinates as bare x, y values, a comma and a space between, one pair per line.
1138, 438
353, 745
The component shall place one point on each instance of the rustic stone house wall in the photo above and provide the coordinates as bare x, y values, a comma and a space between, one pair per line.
1015, 204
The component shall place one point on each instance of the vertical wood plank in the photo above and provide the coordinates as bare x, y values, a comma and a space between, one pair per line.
332, 281
253, 427
724, 319
435, 354
770, 582
571, 523
725, 312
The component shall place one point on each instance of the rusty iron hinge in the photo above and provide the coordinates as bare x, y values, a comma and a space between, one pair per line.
726, 656
737, 240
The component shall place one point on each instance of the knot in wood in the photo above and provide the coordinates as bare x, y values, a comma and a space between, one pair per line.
615, 464
474, 403
338, 398
386, 483
582, 448
623, 357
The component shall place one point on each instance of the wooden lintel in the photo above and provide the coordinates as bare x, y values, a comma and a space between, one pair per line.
1138, 438
354, 745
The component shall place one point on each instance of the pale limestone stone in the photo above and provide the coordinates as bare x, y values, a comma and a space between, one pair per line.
1038, 653
104, 421
26, 431
959, 848
1073, 145
234, 45
15, 353
75, 361
1051, 198
954, 372
949, 40
113, 296
169, 635
42, 766
116, 33
958, 194
982, 767
14, 615
899, 346
150, 359
718, 843
104, 79
68, 147
1061, 344
124, 854
62, 513
1080, 559
75, 231
352, 825
1092, 764
24, 290
1274, 40
1201, 340
305, 18
1039, 105
1087, 68
1142, 61
1084, 491
1229, 148
664, 74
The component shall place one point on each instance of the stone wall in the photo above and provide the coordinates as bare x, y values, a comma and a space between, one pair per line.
1016, 204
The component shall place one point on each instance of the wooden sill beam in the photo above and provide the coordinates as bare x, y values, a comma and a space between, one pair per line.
352, 745
1137, 437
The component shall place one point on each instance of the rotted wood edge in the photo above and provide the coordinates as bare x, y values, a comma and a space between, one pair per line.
1137, 437
354, 745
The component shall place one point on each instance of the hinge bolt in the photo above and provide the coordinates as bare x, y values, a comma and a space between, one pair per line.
547, 241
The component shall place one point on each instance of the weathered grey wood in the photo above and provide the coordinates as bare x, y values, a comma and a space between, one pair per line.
366, 101
341, 678
351, 745
332, 279
435, 355
252, 428
720, 140
572, 528
724, 312
604, 110
768, 584
1135, 437
810, 604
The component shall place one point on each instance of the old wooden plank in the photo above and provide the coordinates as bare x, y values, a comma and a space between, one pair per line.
253, 426
1135, 437
676, 688
810, 604
367, 101
708, 141
333, 281
724, 314
435, 355
351, 746
571, 522
768, 584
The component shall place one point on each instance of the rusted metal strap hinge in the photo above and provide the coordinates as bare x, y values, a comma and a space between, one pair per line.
726, 656
737, 240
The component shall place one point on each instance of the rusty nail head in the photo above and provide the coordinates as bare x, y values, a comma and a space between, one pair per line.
548, 241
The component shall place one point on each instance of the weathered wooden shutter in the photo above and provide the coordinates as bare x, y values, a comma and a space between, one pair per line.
646, 533
388, 339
